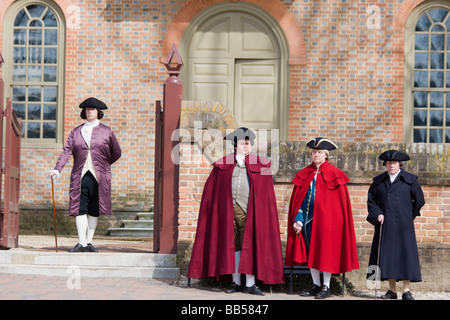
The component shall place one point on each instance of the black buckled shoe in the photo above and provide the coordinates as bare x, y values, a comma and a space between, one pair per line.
389, 295
407, 296
79, 248
311, 292
323, 293
91, 248
233, 288
252, 290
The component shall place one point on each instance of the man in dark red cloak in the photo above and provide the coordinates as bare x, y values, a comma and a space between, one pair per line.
320, 222
221, 247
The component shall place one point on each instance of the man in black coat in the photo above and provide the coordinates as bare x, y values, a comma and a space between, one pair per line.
394, 200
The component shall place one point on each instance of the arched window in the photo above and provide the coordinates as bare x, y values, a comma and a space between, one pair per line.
427, 81
35, 59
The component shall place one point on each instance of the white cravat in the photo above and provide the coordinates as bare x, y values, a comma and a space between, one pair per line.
393, 176
240, 159
86, 132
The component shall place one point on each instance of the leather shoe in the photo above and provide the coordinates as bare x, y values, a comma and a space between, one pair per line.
311, 292
233, 288
252, 290
323, 293
389, 295
407, 296
91, 248
79, 248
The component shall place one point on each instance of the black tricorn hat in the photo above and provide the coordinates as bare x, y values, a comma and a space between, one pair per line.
321, 144
394, 155
93, 103
239, 134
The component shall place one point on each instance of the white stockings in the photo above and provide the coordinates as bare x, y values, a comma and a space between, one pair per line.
86, 225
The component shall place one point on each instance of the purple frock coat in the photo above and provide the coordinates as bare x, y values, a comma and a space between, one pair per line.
105, 150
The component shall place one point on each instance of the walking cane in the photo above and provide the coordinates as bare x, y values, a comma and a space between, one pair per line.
378, 262
54, 214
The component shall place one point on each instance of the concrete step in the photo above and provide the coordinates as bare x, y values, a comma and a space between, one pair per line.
131, 265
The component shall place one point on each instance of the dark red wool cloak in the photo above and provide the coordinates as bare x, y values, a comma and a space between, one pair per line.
213, 251
333, 242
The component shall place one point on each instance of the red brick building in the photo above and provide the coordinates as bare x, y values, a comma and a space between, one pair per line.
370, 76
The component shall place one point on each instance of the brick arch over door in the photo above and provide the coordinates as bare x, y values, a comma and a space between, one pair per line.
297, 51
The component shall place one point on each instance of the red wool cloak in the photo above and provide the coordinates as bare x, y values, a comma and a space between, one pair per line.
333, 242
213, 251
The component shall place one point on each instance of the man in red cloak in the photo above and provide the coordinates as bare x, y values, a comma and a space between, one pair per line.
238, 229
320, 222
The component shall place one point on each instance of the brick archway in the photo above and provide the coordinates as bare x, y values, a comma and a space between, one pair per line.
297, 51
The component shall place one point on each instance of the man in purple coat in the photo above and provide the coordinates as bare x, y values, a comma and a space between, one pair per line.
94, 148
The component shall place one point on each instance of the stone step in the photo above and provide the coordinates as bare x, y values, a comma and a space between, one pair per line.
131, 232
145, 216
138, 224
146, 265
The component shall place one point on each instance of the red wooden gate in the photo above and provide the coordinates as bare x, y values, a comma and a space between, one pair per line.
9, 216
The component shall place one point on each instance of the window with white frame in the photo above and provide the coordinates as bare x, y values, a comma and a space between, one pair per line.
429, 81
36, 73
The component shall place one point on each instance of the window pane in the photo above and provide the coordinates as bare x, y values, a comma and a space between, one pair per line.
50, 94
34, 94
20, 55
36, 10
50, 74
35, 37
436, 79
35, 55
447, 119
421, 60
49, 130
34, 112
50, 55
19, 73
437, 42
34, 73
51, 37
436, 135
420, 79
448, 100
50, 19
33, 130
420, 99
438, 15
436, 99
19, 94
21, 19
20, 36
423, 24
420, 117
436, 118
421, 42
50, 112
35, 23
447, 80
19, 109
447, 136
437, 61
420, 135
